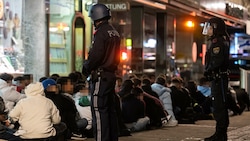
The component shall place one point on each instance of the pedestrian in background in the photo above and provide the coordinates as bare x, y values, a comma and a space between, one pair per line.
216, 70
102, 62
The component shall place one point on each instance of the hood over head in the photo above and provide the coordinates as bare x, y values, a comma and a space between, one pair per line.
34, 89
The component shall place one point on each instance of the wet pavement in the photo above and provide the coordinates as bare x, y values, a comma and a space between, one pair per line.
239, 130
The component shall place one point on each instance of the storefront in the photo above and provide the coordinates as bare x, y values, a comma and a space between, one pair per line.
11, 47
68, 30
43, 37
144, 29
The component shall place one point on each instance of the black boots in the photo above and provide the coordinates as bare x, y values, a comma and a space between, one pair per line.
217, 137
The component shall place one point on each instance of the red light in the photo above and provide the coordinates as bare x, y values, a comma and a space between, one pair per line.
124, 56
200, 54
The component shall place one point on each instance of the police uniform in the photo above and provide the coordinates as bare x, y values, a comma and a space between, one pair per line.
216, 65
102, 63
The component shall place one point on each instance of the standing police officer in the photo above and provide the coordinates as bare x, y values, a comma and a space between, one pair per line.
102, 63
216, 70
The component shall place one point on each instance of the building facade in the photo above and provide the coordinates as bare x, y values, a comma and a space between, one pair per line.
54, 36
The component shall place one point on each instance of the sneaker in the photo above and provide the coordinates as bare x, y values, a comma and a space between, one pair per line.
78, 137
169, 117
171, 123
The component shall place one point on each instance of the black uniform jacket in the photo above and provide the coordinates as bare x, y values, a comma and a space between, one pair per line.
105, 51
217, 55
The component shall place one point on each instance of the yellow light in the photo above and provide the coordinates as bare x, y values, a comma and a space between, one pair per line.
128, 42
189, 24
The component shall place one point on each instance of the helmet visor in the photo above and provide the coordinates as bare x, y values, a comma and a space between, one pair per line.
206, 27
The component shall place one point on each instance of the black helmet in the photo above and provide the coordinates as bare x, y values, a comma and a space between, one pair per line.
219, 26
99, 11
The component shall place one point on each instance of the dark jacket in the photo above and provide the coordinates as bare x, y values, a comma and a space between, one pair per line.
217, 56
132, 109
66, 107
105, 50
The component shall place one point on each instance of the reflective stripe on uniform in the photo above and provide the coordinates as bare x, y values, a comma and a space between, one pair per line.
96, 110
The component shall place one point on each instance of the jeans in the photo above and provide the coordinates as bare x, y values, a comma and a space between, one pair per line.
139, 125
9, 136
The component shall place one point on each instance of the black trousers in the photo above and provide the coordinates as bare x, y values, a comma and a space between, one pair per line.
104, 115
219, 101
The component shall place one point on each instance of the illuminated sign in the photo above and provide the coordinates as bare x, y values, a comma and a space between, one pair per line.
115, 6
118, 6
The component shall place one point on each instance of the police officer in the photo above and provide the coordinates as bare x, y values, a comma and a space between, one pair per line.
216, 66
102, 62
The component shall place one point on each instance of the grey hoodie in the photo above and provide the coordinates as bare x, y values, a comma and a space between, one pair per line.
165, 96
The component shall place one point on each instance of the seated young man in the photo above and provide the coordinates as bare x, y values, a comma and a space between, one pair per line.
5, 133
37, 115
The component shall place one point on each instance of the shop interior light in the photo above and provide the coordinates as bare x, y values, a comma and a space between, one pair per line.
66, 28
151, 43
53, 29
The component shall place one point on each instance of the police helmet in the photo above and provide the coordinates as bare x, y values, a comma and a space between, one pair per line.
99, 11
218, 26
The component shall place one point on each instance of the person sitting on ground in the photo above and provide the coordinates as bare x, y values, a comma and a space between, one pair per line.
67, 90
54, 76
37, 121
204, 87
5, 132
181, 101
201, 104
8, 91
133, 111
233, 107
242, 98
154, 107
165, 97
82, 102
146, 86
19, 83
126, 88
65, 105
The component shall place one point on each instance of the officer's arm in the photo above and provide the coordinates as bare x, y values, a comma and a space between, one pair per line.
95, 54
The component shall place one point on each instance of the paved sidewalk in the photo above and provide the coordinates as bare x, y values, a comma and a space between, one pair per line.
239, 130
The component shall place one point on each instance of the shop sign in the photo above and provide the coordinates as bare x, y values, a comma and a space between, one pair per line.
118, 6
235, 10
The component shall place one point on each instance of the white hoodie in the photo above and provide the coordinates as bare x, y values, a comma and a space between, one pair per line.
36, 113
9, 95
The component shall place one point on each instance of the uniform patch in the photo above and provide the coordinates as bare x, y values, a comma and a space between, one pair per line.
216, 50
214, 40
113, 33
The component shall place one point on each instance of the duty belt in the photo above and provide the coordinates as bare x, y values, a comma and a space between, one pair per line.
219, 74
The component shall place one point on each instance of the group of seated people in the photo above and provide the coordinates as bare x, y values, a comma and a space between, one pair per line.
169, 101
58, 107
55, 108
